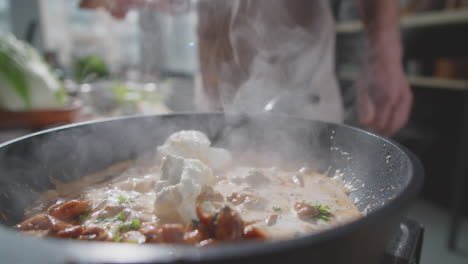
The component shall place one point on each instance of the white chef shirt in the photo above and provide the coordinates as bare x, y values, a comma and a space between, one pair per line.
273, 51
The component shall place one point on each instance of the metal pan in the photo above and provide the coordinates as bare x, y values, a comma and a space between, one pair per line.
386, 177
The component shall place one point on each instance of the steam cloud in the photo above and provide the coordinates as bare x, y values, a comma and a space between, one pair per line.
278, 52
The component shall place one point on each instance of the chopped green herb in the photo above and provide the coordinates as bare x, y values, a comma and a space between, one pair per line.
124, 227
121, 216
134, 225
83, 216
132, 242
117, 237
276, 209
122, 199
323, 212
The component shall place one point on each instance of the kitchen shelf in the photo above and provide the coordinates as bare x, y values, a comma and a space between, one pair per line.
420, 81
426, 19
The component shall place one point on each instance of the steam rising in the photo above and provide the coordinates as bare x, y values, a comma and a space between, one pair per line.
279, 52
269, 56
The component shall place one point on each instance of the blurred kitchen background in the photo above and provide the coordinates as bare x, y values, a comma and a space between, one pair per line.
147, 62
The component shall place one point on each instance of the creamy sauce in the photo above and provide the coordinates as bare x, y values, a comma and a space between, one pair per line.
186, 171
281, 193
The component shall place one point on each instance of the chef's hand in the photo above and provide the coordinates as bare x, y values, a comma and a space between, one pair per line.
119, 8
384, 95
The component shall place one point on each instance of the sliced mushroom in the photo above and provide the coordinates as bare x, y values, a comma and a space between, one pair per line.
69, 210
249, 201
271, 220
43, 222
71, 232
167, 233
298, 180
94, 233
305, 211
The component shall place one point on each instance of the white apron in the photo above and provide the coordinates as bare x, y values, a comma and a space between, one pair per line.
254, 53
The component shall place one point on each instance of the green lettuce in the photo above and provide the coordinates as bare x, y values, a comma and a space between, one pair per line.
26, 81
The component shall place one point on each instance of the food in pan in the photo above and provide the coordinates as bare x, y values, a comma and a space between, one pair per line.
190, 192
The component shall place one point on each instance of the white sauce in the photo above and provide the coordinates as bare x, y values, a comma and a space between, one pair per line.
168, 191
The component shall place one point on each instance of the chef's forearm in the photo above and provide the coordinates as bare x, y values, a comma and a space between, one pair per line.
382, 28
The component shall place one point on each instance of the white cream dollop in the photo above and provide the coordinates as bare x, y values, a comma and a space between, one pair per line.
181, 183
192, 144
